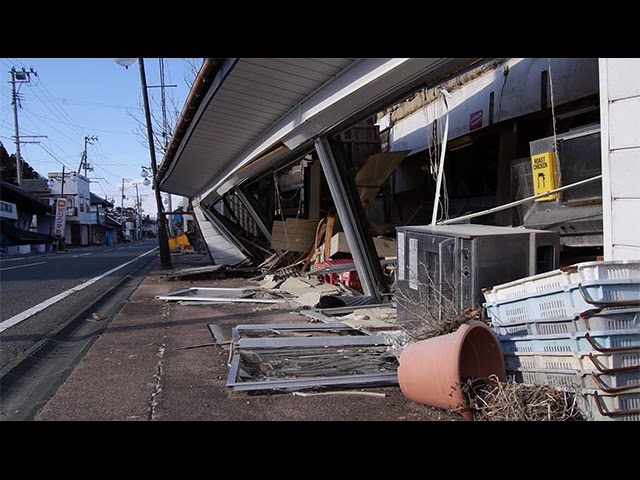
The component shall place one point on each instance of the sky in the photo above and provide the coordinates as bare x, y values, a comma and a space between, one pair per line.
76, 97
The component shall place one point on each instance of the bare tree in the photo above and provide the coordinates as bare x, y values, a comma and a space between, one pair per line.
162, 133
192, 69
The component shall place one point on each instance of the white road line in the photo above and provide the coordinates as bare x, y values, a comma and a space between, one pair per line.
21, 266
10, 322
81, 255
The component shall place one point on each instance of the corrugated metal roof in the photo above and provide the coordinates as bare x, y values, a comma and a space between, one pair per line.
254, 105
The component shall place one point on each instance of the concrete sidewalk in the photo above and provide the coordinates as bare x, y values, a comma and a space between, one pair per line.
139, 368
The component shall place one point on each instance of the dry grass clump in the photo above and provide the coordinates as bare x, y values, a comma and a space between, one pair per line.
492, 400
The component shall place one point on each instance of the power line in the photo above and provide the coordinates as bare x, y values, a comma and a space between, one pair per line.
46, 120
43, 87
60, 117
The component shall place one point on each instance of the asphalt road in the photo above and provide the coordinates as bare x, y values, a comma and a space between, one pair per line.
25, 283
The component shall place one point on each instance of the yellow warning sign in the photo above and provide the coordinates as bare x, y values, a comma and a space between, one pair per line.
544, 175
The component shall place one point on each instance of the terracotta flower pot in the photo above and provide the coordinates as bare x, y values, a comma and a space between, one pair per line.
431, 371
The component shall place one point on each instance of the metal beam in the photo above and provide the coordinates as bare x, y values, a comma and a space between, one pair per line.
356, 229
302, 342
258, 327
233, 370
219, 299
390, 378
254, 214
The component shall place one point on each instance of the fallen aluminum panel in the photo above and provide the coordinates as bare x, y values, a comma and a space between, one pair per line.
288, 362
223, 299
342, 341
293, 326
220, 248
219, 295
390, 378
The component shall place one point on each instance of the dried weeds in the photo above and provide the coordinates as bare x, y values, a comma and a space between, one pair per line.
492, 400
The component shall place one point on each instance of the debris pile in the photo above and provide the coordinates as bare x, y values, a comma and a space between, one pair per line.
492, 400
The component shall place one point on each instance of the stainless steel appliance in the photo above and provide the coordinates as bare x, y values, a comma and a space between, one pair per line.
442, 269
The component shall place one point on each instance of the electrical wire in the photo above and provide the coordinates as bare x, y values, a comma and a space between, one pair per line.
553, 110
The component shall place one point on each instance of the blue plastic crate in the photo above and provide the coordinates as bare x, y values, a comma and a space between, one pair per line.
597, 406
610, 384
605, 363
608, 341
607, 319
565, 302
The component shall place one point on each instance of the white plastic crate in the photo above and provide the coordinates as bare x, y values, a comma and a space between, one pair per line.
607, 319
602, 341
565, 302
569, 276
614, 383
598, 406
569, 361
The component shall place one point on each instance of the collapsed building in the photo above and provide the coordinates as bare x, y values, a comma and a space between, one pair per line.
422, 180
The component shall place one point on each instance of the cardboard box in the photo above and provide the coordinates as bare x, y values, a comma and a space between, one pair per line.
296, 235
385, 247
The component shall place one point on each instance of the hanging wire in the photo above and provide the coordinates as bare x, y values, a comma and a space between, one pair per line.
553, 110
284, 223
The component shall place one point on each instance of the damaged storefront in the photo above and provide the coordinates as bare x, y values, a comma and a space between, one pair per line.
411, 184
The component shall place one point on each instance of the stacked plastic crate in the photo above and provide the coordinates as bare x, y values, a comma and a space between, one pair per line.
577, 327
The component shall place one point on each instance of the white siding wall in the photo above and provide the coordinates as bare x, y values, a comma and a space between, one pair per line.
516, 94
620, 119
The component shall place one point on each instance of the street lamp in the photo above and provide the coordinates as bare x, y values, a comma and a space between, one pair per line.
163, 237
145, 174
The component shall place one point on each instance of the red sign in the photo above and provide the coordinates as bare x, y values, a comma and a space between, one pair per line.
475, 120
60, 218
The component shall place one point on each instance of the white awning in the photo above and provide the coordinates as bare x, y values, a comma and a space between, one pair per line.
266, 108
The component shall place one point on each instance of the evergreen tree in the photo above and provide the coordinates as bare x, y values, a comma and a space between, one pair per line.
8, 167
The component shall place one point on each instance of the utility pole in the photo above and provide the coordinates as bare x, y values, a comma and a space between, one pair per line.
62, 241
83, 160
163, 238
124, 225
137, 219
18, 76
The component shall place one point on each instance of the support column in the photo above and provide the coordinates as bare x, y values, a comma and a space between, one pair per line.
507, 152
254, 214
353, 219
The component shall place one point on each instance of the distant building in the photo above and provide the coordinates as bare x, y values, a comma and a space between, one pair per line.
18, 211
76, 192
104, 227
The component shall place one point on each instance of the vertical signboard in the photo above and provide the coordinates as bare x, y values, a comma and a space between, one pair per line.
60, 218
543, 166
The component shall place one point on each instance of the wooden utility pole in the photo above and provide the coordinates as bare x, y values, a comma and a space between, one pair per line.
163, 237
